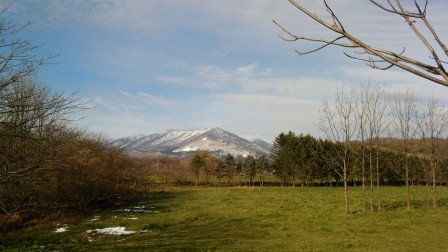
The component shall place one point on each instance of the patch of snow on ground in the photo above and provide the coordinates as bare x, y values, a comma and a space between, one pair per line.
60, 230
112, 231
139, 209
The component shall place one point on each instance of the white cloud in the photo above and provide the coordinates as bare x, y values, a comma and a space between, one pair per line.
250, 79
247, 71
146, 98
209, 76
266, 115
263, 103
299, 86
243, 19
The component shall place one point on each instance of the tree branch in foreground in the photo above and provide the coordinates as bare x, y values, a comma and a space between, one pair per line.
375, 55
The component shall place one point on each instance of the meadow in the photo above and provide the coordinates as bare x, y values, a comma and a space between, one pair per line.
249, 219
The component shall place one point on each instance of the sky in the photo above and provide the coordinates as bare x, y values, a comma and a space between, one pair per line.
147, 66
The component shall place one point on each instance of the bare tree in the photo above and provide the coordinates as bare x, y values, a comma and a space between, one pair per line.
210, 163
30, 116
376, 110
32, 132
404, 110
361, 117
434, 123
339, 126
17, 59
380, 58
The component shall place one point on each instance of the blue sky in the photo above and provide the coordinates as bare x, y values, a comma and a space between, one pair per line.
152, 65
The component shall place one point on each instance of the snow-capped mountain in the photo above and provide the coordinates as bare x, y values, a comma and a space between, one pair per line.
180, 143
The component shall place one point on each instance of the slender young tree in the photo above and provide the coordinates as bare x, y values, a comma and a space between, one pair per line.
404, 111
339, 126
377, 126
370, 116
361, 117
434, 123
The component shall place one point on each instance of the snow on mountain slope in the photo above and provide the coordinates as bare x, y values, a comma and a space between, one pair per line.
178, 143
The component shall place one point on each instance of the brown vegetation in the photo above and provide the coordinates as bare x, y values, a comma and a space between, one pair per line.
45, 165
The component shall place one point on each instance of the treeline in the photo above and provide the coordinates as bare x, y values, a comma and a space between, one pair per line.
354, 126
304, 160
203, 169
230, 170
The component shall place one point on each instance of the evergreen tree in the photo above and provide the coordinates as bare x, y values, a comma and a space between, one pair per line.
229, 166
307, 158
262, 166
285, 158
220, 169
196, 165
249, 168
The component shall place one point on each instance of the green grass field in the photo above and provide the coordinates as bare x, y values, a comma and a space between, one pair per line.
252, 219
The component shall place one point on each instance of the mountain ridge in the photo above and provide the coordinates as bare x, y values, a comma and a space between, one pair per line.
180, 143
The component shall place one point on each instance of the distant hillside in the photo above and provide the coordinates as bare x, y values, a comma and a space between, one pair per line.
216, 141
416, 146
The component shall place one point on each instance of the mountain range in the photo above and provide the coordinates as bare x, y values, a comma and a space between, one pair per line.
182, 143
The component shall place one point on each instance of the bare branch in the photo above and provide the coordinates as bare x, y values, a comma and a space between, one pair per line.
17, 60
296, 38
436, 74
423, 13
335, 18
395, 11
317, 49
420, 36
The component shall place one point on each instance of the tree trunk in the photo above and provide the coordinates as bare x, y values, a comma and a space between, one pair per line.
378, 180
408, 193
347, 208
363, 181
434, 193
371, 179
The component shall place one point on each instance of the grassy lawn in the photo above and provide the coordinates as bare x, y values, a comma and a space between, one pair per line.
252, 219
